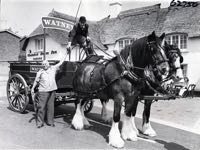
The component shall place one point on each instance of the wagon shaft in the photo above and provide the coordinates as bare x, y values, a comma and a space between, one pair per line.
165, 97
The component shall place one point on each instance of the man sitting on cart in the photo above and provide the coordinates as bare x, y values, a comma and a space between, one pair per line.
79, 35
45, 80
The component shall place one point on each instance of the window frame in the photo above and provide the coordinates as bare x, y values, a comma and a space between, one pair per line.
39, 44
122, 43
179, 39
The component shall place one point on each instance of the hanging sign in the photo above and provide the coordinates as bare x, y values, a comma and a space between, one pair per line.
57, 23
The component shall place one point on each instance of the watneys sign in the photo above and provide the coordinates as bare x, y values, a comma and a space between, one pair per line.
56, 23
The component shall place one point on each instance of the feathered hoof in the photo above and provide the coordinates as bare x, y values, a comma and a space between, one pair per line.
77, 122
130, 137
116, 142
137, 132
149, 132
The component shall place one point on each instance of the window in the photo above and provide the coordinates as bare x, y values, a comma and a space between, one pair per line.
167, 39
180, 40
121, 44
39, 44
175, 40
183, 42
125, 42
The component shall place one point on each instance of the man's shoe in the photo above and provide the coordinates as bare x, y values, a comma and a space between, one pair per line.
51, 125
40, 126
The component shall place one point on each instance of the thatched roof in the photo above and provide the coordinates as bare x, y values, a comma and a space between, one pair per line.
139, 22
182, 19
135, 23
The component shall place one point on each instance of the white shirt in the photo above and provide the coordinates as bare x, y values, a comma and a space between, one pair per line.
46, 79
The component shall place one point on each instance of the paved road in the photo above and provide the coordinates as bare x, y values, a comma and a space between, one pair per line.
17, 132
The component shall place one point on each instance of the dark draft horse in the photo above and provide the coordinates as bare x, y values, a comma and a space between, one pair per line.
112, 81
175, 75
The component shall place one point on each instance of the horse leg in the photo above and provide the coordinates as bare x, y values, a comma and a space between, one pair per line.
77, 121
134, 109
146, 126
129, 131
115, 139
104, 114
85, 120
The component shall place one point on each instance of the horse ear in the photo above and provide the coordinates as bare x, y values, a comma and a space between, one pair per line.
152, 36
181, 59
162, 36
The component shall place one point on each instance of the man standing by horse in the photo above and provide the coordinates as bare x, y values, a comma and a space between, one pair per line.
46, 83
79, 35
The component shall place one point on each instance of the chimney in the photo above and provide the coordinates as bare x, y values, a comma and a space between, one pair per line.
115, 8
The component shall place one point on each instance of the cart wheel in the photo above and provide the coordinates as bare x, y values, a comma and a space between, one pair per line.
88, 106
17, 93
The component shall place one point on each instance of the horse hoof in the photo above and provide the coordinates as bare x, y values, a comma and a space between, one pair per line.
77, 127
77, 123
117, 143
137, 132
150, 132
130, 138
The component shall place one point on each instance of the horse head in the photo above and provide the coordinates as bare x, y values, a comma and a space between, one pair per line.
175, 60
158, 58
176, 74
148, 51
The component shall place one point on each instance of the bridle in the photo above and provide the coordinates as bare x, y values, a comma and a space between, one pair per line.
172, 55
129, 67
151, 46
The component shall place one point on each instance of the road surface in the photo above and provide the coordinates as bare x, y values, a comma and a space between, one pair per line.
16, 132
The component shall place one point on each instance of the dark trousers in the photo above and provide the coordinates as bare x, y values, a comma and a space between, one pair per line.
46, 107
84, 43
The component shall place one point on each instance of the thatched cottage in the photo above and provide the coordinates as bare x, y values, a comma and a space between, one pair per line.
181, 25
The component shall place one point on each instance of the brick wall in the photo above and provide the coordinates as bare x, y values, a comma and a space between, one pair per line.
10, 47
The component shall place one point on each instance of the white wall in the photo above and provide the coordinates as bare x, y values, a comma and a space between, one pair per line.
192, 58
4, 74
56, 50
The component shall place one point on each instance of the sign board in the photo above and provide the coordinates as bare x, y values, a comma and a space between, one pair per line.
57, 23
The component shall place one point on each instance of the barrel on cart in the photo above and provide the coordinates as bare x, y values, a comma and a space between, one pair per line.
21, 78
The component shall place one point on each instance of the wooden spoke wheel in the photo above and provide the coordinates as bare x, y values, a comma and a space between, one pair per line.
17, 93
88, 106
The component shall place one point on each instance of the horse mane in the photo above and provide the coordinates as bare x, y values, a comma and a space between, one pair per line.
137, 50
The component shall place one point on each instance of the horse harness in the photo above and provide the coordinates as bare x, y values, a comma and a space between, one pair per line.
127, 73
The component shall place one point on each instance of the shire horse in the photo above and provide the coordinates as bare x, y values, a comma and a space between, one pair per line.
114, 81
175, 75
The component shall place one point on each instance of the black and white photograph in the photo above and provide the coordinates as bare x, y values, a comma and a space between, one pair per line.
100, 74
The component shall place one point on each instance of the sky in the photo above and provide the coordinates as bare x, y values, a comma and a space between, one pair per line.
23, 16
